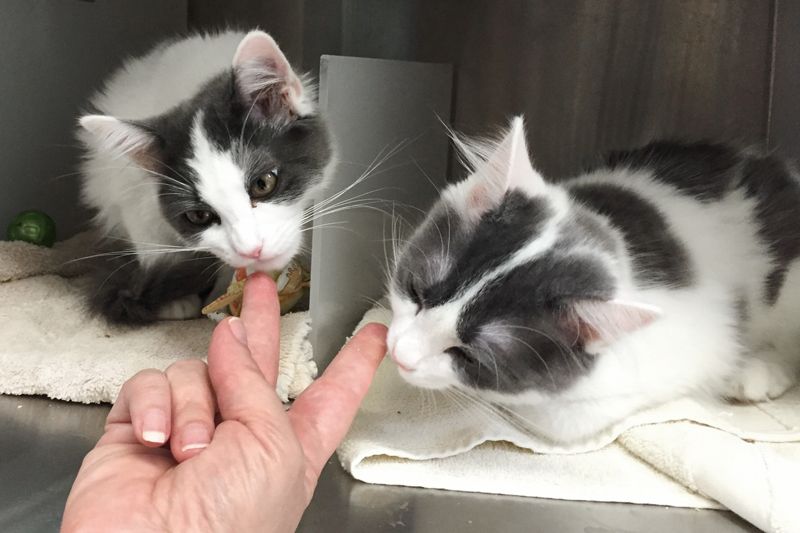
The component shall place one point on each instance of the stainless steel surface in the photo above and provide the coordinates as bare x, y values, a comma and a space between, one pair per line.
42, 444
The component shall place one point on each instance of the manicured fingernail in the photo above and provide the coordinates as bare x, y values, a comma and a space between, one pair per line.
154, 427
237, 328
195, 437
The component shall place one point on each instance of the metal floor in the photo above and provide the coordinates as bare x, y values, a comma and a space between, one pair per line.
43, 442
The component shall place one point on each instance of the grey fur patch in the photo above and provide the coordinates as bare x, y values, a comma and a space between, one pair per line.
514, 332
658, 255
125, 293
586, 228
703, 170
777, 196
471, 251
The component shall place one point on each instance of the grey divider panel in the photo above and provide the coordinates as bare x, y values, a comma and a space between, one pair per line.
373, 107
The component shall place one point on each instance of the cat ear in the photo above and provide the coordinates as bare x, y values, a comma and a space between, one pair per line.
508, 167
598, 321
266, 80
122, 138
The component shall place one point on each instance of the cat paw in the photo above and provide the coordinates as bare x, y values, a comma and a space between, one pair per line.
181, 309
760, 380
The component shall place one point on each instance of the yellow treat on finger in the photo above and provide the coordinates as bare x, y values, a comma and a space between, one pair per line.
291, 283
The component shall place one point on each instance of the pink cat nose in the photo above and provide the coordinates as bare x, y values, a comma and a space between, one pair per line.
404, 353
254, 253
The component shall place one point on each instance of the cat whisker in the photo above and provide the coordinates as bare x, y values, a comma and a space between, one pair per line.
370, 206
107, 278
156, 244
311, 214
219, 266
506, 335
563, 347
330, 225
374, 302
80, 172
471, 406
369, 172
427, 177
124, 253
511, 417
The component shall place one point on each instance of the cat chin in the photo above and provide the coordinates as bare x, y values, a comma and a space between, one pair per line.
428, 380
274, 264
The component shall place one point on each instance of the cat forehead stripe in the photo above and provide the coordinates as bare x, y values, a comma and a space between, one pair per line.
535, 247
220, 181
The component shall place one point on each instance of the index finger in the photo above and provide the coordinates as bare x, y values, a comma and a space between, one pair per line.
322, 414
261, 315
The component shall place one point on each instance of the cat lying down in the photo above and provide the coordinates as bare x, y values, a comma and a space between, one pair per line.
669, 270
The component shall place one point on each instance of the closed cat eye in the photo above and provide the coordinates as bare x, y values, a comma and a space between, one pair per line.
458, 353
200, 217
416, 295
264, 186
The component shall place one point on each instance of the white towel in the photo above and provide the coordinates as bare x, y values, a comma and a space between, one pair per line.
51, 346
686, 454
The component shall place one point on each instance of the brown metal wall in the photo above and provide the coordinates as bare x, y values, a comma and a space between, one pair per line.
589, 75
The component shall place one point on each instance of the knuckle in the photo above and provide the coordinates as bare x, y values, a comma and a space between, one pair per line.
191, 408
149, 378
146, 375
190, 366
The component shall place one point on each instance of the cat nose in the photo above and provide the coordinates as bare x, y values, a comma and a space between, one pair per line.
254, 253
404, 345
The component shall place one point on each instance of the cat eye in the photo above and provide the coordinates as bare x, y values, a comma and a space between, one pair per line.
416, 295
264, 185
200, 217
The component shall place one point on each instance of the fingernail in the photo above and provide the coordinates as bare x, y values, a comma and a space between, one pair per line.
154, 427
195, 437
237, 328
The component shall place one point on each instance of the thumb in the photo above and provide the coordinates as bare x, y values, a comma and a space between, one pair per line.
243, 393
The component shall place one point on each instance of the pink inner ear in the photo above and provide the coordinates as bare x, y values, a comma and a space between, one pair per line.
265, 76
509, 166
479, 200
258, 47
122, 138
608, 321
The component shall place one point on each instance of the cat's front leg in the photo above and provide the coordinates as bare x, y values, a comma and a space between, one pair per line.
764, 375
127, 293
181, 309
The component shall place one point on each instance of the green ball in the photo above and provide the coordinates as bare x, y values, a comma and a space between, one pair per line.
34, 227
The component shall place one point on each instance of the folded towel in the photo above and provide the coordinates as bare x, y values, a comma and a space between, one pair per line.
52, 346
688, 453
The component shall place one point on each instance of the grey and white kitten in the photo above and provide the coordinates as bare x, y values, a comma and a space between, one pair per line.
669, 270
205, 151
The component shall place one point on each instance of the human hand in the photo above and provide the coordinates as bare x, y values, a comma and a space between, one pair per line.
163, 464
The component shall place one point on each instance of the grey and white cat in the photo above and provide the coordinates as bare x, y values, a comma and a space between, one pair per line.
207, 150
669, 270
